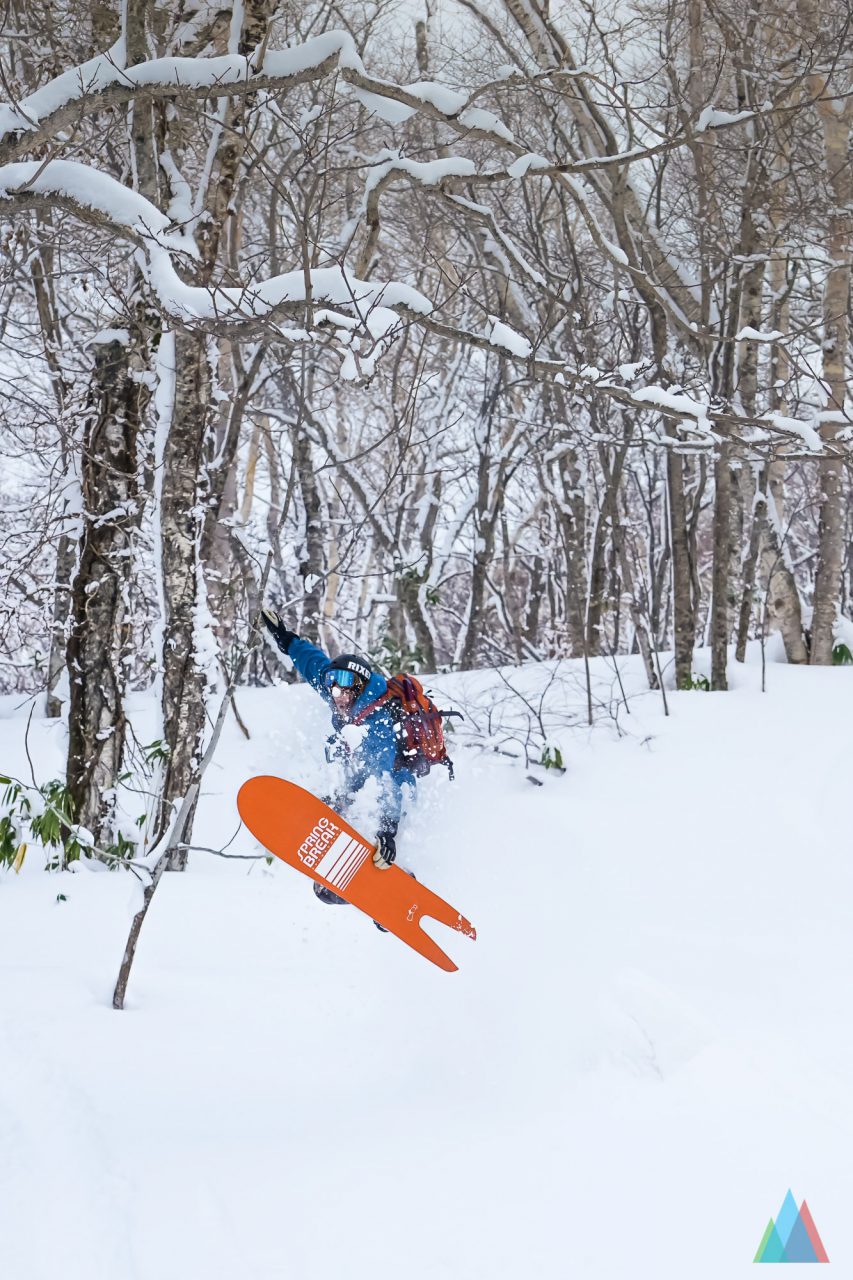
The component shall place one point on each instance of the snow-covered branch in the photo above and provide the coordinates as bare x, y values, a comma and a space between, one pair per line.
105, 81
376, 306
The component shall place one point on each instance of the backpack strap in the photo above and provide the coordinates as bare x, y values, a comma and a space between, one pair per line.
400, 689
373, 706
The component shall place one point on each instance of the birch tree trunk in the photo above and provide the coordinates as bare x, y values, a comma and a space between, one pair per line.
835, 111
781, 608
190, 495
97, 644
66, 558
181, 528
637, 605
747, 381
220, 551
748, 390
41, 271
312, 564
782, 598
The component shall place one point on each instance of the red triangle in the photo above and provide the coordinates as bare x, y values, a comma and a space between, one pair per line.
808, 1223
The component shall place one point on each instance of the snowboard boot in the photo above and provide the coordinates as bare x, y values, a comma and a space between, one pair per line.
326, 895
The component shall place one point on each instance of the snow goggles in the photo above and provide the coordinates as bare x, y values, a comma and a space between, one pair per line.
342, 678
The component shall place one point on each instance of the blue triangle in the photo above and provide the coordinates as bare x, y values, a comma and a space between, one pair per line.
799, 1247
786, 1217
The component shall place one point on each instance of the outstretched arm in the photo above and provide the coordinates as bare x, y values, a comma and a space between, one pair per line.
310, 661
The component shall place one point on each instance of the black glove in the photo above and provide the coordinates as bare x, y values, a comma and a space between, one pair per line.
279, 632
386, 850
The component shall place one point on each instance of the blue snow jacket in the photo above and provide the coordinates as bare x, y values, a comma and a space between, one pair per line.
376, 754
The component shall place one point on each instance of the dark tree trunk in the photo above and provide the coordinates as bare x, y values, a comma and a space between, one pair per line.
535, 594
684, 622
409, 595
720, 602
490, 498
570, 514
479, 569
756, 535
597, 583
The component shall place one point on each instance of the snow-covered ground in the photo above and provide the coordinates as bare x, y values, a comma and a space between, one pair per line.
650, 1041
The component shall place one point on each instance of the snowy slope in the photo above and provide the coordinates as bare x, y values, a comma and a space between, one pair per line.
648, 1044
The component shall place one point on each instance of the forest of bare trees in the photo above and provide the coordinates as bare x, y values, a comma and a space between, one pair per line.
468, 333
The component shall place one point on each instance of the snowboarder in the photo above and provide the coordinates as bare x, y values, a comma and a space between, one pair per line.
366, 744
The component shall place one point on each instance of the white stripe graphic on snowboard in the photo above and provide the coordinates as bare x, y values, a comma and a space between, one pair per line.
341, 861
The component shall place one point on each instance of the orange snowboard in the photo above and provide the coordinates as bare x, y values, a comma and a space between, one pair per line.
308, 835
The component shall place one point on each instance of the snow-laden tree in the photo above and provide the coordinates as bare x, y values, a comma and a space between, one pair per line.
490, 332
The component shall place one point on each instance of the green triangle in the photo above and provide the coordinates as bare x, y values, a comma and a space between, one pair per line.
767, 1234
771, 1248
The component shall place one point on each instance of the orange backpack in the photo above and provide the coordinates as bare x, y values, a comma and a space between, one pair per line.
417, 720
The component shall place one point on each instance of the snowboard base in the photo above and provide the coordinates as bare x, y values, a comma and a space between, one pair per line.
302, 831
